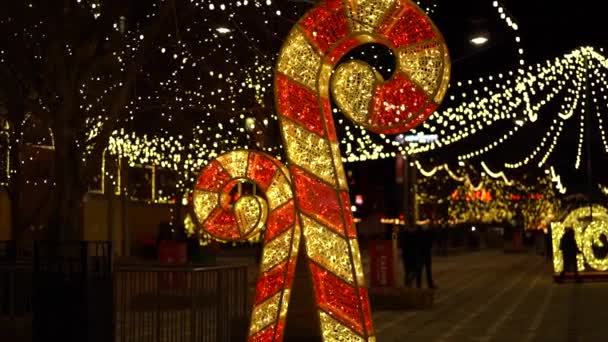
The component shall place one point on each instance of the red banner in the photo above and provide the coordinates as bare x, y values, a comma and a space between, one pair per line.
381, 263
172, 252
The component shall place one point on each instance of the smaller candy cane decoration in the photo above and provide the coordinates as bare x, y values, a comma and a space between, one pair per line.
228, 218
311, 199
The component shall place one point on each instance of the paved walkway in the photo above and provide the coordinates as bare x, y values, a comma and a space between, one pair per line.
492, 296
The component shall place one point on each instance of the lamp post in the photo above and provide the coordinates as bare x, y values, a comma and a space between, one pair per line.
407, 173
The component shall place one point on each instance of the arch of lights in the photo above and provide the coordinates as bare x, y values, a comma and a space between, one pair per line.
589, 224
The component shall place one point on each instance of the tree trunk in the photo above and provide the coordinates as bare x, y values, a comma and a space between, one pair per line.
14, 191
70, 188
16, 117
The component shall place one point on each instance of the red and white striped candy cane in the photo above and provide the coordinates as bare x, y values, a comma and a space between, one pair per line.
311, 198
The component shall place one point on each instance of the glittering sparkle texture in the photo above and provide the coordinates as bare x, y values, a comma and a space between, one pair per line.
213, 177
338, 52
354, 247
445, 77
424, 64
334, 331
232, 221
409, 25
235, 163
269, 334
396, 102
204, 203
353, 85
279, 191
337, 156
324, 78
270, 282
299, 104
324, 26
415, 122
281, 331
276, 251
309, 150
329, 120
367, 312
591, 238
337, 297
222, 224
317, 199
366, 15
261, 169
284, 304
299, 60
348, 215
250, 214
280, 220
265, 314
266, 335
327, 248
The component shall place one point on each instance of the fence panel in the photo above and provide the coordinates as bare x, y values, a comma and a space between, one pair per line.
163, 304
72, 291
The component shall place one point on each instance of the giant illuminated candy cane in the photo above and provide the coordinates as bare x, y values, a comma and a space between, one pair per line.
310, 198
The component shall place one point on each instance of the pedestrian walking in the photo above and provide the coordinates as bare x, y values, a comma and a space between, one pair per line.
425, 238
570, 250
407, 243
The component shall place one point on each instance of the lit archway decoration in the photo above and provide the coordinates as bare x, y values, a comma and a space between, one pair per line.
309, 199
589, 225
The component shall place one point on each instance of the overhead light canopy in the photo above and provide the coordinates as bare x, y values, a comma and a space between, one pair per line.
222, 30
479, 40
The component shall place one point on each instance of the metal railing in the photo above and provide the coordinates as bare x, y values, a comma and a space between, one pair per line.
83, 259
158, 304
15, 284
72, 291
16, 251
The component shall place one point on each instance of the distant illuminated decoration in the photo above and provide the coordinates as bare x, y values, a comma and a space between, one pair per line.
309, 200
418, 138
479, 40
591, 232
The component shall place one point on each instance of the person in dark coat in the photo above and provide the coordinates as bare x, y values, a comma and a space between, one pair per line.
425, 238
407, 243
569, 248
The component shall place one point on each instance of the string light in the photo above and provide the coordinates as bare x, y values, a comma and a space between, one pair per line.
191, 82
565, 75
512, 24
558, 181
493, 174
463, 121
462, 179
603, 94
